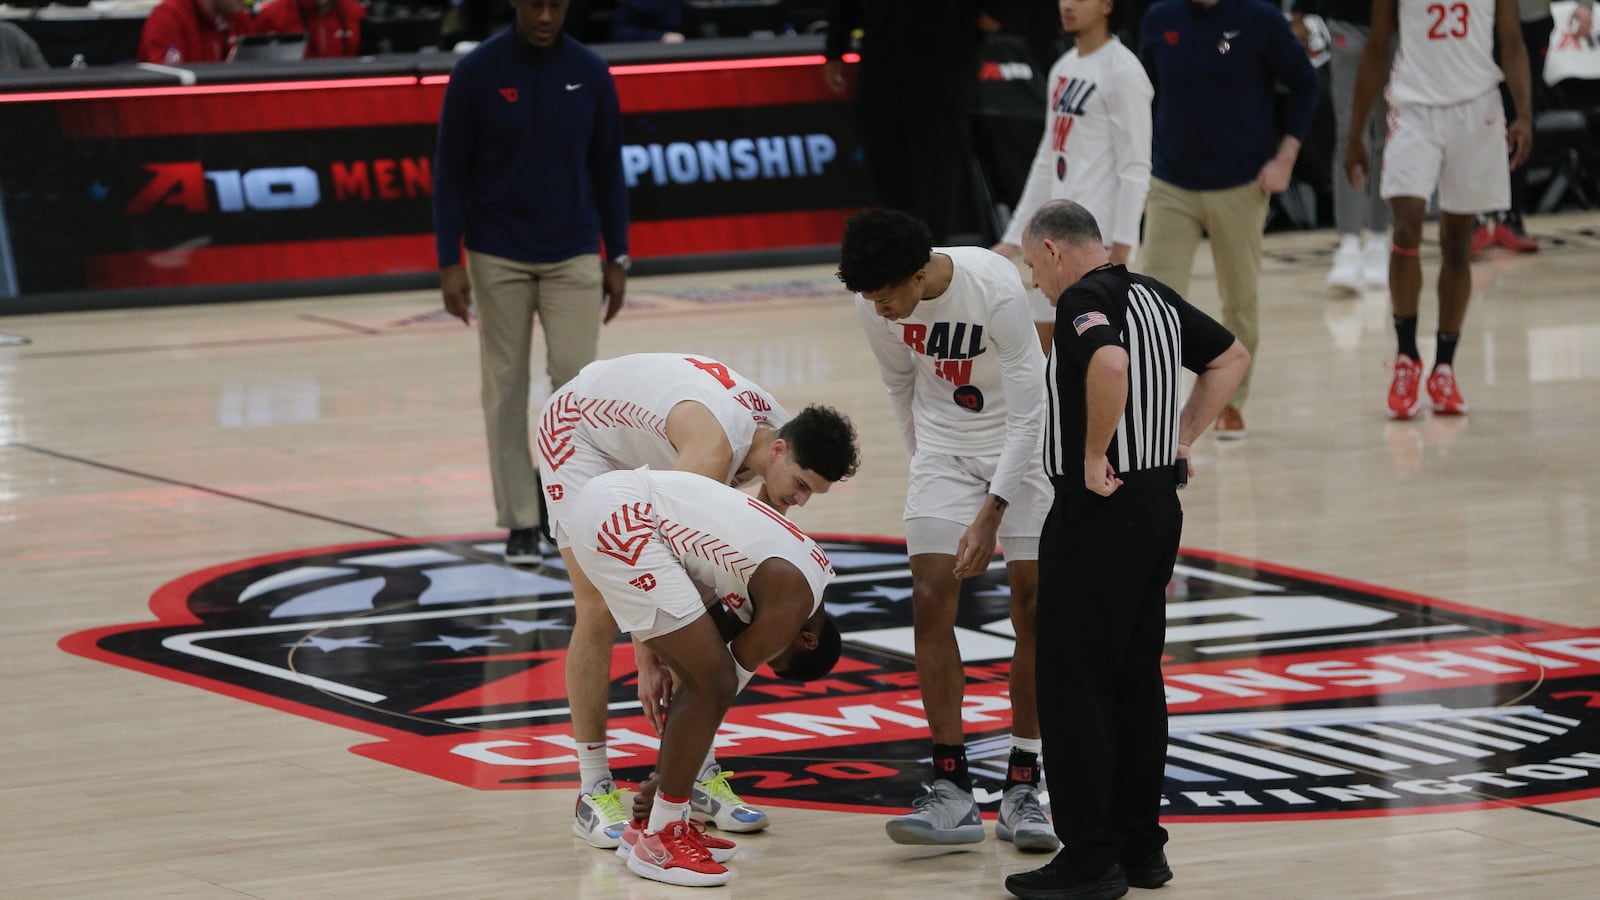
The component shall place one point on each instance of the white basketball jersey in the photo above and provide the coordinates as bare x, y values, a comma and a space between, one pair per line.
1446, 53
618, 407
721, 536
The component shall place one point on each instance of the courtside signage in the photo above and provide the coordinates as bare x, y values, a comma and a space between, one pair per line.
1291, 694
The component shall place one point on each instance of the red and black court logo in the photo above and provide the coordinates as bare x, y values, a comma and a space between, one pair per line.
1291, 694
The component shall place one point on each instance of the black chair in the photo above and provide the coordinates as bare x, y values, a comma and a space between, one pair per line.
1563, 145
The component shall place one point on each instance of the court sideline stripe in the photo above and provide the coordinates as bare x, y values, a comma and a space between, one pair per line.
217, 492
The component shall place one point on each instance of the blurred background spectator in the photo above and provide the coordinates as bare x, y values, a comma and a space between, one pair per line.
331, 27
18, 51
648, 20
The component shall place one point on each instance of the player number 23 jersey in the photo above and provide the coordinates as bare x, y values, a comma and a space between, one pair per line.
1446, 53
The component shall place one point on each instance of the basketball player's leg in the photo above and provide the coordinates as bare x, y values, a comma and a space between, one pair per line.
1474, 177
599, 815
1022, 819
668, 849
1412, 162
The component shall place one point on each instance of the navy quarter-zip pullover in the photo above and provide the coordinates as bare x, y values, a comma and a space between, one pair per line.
529, 161
1215, 71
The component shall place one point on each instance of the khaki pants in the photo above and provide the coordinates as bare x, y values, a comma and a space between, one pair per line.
567, 298
1235, 219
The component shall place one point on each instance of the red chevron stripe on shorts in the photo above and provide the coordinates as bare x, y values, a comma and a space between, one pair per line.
555, 430
626, 533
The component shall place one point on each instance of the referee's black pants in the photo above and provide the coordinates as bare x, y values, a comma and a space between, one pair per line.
1104, 565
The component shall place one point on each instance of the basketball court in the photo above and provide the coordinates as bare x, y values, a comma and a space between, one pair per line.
257, 641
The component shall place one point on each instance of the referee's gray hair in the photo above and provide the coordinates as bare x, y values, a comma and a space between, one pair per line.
1064, 221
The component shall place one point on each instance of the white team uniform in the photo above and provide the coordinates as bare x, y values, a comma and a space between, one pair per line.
1446, 121
613, 415
1095, 150
660, 545
966, 380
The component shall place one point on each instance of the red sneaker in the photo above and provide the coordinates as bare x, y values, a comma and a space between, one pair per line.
1482, 239
674, 855
721, 849
1514, 240
1405, 398
1442, 390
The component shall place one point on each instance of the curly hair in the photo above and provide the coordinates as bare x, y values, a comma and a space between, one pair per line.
823, 440
881, 248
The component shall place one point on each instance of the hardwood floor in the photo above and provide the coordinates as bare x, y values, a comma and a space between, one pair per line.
140, 447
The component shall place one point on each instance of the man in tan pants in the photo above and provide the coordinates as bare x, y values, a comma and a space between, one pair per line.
1217, 155
528, 175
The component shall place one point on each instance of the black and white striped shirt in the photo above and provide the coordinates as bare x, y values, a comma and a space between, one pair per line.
1161, 332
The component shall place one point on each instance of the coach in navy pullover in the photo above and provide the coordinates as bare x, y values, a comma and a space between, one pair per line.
529, 160
1213, 121
529, 171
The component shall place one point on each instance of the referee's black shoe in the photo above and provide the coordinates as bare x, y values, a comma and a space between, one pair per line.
1051, 882
1150, 871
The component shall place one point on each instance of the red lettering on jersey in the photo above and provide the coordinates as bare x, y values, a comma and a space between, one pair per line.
734, 601
956, 371
915, 336
645, 582
753, 401
555, 491
714, 369
1457, 28
821, 559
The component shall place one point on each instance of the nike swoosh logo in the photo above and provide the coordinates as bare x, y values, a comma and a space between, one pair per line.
593, 746
657, 858
573, 87
1227, 35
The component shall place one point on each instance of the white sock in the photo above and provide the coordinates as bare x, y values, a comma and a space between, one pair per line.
1349, 242
594, 767
1027, 745
709, 768
664, 812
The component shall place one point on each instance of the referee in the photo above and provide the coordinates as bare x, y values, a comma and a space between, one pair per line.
1109, 544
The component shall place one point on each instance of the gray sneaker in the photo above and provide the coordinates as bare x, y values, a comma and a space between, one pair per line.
1023, 821
944, 815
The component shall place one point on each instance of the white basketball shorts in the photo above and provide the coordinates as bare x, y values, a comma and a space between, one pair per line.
645, 586
1460, 148
945, 493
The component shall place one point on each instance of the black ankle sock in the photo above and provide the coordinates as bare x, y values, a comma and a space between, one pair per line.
1445, 349
950, 763
1405, 328
1024, 768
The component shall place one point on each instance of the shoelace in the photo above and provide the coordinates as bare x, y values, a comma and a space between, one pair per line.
1407, 376
719, 788
1028, 808
685, 841
610, 806
929, 798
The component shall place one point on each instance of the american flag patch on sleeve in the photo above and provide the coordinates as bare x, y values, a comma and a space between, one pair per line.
1089, 320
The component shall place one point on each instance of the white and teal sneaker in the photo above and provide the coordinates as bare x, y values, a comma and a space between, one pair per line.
713, 802
602, 814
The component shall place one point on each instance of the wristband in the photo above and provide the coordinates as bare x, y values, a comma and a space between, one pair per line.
744, 674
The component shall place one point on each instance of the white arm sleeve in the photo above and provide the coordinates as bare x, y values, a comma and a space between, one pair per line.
1130, 126
1022, 373
895, 365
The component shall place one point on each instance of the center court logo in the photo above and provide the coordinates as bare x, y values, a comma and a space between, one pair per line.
1291, 694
